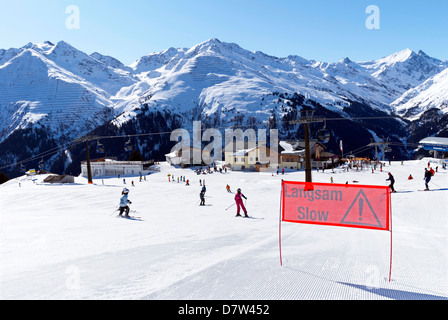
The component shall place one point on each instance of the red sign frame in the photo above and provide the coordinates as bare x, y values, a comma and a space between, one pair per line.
344, 205
354, 206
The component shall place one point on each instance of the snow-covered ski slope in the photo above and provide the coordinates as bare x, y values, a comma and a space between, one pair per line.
65, 241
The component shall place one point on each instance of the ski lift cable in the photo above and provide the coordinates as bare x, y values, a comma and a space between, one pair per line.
42, 154
361, 149
240, 126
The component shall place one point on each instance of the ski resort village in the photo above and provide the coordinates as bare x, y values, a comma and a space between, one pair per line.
188, 237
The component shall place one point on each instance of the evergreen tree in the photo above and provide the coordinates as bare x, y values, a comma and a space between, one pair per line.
3, 178
136, 156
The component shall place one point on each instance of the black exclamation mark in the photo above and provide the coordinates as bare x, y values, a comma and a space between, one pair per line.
361, 207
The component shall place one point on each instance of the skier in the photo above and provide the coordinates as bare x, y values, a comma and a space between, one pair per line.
392, 181
228, 189
202, 196
239, 203
427, 178
124, 201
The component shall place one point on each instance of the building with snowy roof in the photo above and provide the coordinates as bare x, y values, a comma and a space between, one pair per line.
292, 155
55, 178
258, 158
437, 144
110, 168
185, 157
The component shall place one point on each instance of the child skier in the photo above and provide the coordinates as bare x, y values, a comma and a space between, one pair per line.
124, 201
239, 203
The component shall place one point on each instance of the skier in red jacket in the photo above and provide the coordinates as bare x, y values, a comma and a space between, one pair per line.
239, 203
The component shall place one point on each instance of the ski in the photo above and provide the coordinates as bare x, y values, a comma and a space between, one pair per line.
249, 217
131, 218
134, 218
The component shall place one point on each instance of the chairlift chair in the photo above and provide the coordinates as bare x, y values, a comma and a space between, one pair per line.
128, 145
41, 164
99, 148
323, 135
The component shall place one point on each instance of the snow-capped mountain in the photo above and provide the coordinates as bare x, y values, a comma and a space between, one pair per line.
215, 68
433, 93
106, 73
404, 70
68, 93
36, 90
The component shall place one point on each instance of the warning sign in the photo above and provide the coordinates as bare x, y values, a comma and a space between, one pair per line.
357, 206
361, 213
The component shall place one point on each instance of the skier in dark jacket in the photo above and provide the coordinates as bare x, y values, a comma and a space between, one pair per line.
202, 196
392, 181
427, 178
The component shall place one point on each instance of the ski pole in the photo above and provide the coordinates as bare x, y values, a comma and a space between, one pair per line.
230, 207
116, 209
434, 184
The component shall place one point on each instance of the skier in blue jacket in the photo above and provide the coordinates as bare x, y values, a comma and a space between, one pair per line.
124, 201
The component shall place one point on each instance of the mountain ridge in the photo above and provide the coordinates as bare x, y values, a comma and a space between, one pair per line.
217, 82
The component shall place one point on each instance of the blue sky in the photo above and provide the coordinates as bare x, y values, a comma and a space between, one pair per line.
324, 30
